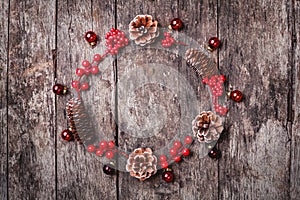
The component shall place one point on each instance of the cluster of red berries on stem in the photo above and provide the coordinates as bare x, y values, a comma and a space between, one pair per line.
169, 41
106, 148
176, 152
115, 39
216, 87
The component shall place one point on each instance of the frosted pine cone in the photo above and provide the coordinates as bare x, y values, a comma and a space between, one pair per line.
141, 163
143, 30
203, 65
207, 127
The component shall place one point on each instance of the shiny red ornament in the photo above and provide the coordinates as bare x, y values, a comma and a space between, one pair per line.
176, 24
213, 43
215, 153
236, 95
67, 135
168, 176
91, 38
59, 89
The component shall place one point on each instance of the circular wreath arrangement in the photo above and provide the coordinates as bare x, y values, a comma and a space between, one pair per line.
143, 162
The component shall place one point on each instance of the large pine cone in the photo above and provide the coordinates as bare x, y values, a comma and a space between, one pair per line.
207, 127
143, 30
203, 65
141, 163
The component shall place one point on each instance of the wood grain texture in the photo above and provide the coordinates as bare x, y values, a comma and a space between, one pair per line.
80, 173
31, 156
4, 13
295, 115
254, 58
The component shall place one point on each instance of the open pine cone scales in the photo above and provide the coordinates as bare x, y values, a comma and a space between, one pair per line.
142, 163
207, 127
143, 30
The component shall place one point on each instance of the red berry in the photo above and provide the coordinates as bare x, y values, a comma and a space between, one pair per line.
84, 86
186, 152
59, 89
163, 158
75, 84
91, 38
94, 70
99, 152
213, 43
103, 144
176, 24
177, 144
173, 151
164, 165
97, 57
177, 158
236, 95
168, 176
109, 154
67, 135
79, 72
85, 63
222, 78
111, 144
188, 140
91, 148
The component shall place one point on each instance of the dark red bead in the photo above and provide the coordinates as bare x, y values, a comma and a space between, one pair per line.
91, 38
215, 153
213, 43
67, 135
59, 89
108, 169
236, 95
186, 152
168, 176
176, 24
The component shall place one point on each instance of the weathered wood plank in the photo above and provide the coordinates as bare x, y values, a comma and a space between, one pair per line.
4, 13
295, 117
31, 153
254, 57
80, 174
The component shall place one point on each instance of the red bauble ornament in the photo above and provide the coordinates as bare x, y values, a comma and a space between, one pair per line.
236, 95
91, 38
108, 169
176, 24
215, 153
168, 176
67, 135
59, 89
213, 43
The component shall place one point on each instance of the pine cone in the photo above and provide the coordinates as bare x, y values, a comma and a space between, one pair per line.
143, 30
141, 163
207, 127
201, 63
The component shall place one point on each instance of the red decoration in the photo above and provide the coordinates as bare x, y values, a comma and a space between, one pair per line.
91, 38
109, 154
215, 153
188, 140
236, 95
115, 39
67, 135
168, 176
59, 89
111, 144
103, 144
107, 169
177, 158
91, 148
164, 165
177, 144
186, 152
99, 152
176, 24
173, 151
84, 86
163, 158
213, 43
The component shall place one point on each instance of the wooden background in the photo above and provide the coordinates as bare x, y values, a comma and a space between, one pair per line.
42, 43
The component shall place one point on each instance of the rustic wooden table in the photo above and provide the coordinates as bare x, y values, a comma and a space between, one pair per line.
42, 43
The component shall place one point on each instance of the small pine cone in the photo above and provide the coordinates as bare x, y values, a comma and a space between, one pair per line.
141, 163
203, 65
79, 122
143, 30
207, 127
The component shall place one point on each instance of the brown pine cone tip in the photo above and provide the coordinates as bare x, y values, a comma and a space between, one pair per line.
141, 163
207, 127
143, 30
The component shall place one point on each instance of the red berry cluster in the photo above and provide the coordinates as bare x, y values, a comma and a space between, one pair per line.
215, 84
104, 148
168, 41
176, 152
115, 39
